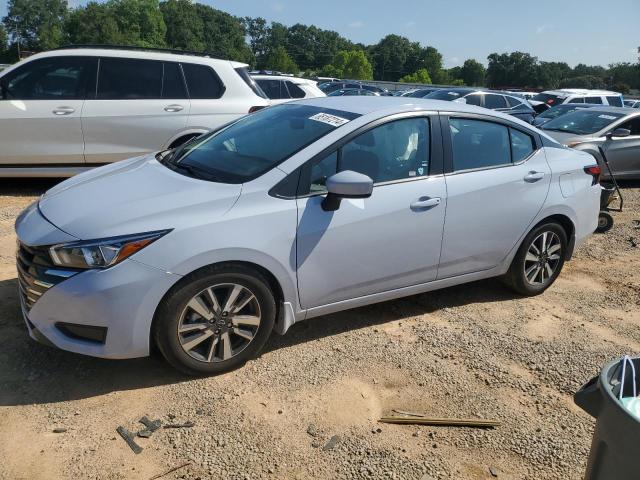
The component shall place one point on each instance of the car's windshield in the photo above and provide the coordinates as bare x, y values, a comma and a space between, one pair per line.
582, 122
557, 111
549, 98
256, 143
445, 94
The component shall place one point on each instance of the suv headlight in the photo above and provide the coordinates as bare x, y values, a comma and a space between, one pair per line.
101, 253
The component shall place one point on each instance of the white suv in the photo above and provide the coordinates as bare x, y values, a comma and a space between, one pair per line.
70, 109
552, 98
282, 89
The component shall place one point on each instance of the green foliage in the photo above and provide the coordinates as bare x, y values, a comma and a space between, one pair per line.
122, 22
352, 64
421, 76
625, 73
584, 81
36, 24
4, 41
458, 82
185, 28
472, 73
515, 69
278, 59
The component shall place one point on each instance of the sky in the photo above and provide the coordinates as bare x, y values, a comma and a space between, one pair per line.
573, 31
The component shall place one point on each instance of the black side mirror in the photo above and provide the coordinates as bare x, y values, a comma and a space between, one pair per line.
619, 133
346, 184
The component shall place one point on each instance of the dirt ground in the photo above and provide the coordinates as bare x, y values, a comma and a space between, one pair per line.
475, 350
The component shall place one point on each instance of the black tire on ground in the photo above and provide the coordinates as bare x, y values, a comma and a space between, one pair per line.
516, 277
165, 328
605, 222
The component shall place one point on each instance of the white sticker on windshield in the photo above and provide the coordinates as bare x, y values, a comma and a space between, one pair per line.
607, 117
332, 120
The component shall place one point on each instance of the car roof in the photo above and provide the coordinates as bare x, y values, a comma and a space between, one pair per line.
579, 91
140, 54
282, 77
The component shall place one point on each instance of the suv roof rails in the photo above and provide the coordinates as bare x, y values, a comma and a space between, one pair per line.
136, 48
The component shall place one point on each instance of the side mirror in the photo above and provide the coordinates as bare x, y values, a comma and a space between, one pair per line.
619, 133
346, 184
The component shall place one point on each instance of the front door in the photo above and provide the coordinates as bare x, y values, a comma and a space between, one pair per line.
388, 241
498, 183
623, 153
138, 106
40, 111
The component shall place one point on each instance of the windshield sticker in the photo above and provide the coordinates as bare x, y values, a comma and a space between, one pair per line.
607, 117
332, 120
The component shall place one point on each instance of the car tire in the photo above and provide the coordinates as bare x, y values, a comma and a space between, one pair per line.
605, 222
198, 329
531, 276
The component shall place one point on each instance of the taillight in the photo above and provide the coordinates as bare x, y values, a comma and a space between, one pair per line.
256, 108
594, 171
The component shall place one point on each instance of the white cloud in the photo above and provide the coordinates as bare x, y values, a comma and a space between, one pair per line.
277, 7
356, 24
541, 29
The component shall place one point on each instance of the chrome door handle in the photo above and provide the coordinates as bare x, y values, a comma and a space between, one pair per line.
533, 176
426, 203
173, 108
63, 110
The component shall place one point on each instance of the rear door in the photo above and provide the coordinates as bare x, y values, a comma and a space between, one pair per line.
497, 181
137, 107
388, 241
40, 111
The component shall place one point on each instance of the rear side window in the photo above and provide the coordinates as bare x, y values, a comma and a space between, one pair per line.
479, 144
615, 101
54, 78
124, 79
295, 91
522, 145
576, 100
596, 100
202, 81
492, 101
475, 99
172, 82
513, 101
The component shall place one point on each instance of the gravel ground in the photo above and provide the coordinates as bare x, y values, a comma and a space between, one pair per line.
308, 407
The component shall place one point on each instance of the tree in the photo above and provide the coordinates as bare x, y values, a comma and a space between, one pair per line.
36, 24
627, 73
515, 69
472, 73
421, 76
584, 81
124, 22
185, 28
223, 34
352, 64
389, 57
4, 41
550, 74
279, 60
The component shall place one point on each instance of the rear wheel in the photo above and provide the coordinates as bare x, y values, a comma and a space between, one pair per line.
216, 321
605, 222
539, 260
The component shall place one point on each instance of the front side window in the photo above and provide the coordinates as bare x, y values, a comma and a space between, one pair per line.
494, 102
632, 125
128, 79
397, 150
202, 81
615, 101
53, 78
479, 144
256, 143
596, 100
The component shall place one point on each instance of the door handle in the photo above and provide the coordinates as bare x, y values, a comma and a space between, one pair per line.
425, 202
63, 110
173, 108
533, 176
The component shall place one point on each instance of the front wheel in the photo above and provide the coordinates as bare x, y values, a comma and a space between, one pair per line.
539, 260
216, 321
605, 222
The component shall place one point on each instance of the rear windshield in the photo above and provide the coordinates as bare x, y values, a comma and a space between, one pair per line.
445, 94
256, 143
244, 74
549, 99
583, 121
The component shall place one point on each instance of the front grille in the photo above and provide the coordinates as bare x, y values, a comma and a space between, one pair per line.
37, 273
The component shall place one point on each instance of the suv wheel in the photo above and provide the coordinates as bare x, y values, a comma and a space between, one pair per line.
216, 321
539, 260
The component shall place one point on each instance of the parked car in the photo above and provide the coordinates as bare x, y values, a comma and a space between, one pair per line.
521, 93
615, 129
499, 101
349, 92
329, 87
632, 103
205, 249
555, 112
419, 92
66, 110
551, 98
281, 89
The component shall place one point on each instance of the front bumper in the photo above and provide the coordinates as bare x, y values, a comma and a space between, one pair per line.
118, 303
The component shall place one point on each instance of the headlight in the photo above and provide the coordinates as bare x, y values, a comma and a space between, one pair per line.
101, 253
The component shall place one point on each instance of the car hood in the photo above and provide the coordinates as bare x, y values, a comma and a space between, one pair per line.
133, 196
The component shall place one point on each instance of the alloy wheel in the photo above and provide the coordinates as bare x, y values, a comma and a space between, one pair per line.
219, 322
542, 258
